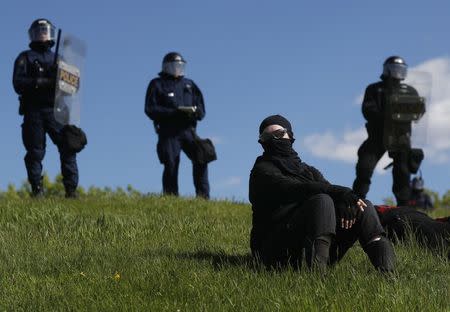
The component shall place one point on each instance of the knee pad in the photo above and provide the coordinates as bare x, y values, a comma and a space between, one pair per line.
381, 254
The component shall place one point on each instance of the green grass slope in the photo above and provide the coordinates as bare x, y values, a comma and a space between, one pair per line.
168, 254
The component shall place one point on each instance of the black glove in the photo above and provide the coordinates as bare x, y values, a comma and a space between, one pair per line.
350, 198
347, 207
186, 115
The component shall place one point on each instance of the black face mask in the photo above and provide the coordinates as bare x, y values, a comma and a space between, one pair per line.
279, 147
281, 153
41, 46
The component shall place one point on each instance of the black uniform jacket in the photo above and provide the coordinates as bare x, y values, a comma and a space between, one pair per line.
29, 66
165, 95
273, 193
374, 104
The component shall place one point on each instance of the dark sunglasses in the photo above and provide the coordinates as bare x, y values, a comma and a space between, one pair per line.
277, 134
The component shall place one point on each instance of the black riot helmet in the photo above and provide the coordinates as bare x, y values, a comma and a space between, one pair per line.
42, 31
395, 67
173, 64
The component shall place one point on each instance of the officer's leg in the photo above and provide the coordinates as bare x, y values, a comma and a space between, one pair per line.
201, 183
168, 149
314, 224
369, 154
401, 176
33, 137
69, 167
199, 171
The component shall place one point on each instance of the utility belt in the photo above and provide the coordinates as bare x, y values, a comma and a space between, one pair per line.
27, 103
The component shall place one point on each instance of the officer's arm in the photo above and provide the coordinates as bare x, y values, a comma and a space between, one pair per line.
153, 109
371, 108
199, 102
22, 80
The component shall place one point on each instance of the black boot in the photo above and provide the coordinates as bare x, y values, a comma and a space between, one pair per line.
318, 252
37, 190
381, 254
71, 193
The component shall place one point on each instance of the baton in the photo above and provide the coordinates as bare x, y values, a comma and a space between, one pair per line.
55, 61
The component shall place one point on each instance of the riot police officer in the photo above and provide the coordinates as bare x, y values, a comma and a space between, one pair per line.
373, 108
34, 79
175, 104
419, 199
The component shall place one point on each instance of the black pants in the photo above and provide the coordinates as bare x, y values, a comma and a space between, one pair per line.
169, 148
428, 232
36, 124
366, 228
369, 154
284, 243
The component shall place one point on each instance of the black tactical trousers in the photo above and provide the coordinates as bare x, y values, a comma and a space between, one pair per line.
169, 149
36, 124
369, 154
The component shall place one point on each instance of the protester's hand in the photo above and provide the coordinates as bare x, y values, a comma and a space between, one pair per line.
351, 199
346, 214
348, 209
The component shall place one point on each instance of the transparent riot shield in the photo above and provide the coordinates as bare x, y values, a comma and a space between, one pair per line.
69, 78
422, 82
405, 110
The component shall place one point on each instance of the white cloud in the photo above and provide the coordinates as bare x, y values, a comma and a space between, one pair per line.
329, 146
344, 148
434, 129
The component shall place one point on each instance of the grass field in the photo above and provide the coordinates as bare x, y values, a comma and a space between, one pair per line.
161, 253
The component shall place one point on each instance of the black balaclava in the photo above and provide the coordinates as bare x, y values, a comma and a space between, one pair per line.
41, 46
280, 151
276, 120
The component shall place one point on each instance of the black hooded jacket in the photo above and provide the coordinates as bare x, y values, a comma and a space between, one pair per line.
271, 190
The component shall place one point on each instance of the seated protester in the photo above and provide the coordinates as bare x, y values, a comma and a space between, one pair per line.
295, 208
433, 234
419, 199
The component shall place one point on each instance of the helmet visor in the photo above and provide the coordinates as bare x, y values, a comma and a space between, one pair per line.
397, 71
175, 69
42, 33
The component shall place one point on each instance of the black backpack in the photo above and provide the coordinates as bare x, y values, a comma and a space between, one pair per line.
73, 139
202, 151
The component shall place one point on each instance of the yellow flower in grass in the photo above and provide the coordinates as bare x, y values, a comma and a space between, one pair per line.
116, 276
83, 274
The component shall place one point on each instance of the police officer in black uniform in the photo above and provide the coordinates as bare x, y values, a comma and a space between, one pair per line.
373, 148
175, 104
419, 199
34, 79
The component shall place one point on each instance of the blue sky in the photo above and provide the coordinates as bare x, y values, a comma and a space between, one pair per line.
308, 61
